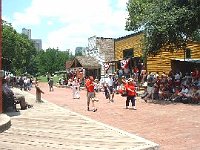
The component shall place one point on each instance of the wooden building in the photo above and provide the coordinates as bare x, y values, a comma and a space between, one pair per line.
84, 66
165, 60
130, 46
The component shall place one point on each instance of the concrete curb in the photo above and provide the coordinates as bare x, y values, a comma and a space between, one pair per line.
5, 122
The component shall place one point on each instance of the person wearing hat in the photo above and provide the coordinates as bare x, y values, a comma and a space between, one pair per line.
131, 94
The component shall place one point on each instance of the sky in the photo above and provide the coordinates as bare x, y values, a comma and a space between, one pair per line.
67, 24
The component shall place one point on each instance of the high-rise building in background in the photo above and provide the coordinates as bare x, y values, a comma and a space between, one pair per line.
80, 50
37, 42
26, 32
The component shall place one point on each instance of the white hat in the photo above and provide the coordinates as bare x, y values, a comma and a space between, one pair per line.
130, 79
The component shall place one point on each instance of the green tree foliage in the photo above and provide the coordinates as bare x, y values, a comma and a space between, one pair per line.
51, 60
165, 23
20, 55
18, 50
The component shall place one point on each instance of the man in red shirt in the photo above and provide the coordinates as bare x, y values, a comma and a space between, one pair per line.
89, 84
131, 94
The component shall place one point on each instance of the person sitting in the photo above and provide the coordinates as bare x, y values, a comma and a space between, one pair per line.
193, 95
10, 99
164, 92
182, 95
8, 96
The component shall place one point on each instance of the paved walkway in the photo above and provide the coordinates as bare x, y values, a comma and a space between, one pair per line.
173, 126
47, 126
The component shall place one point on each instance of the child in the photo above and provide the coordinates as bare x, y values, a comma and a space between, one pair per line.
107, 91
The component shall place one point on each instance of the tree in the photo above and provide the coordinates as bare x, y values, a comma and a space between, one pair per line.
51, 60
166, 23
18, 50
8, 43
20, 55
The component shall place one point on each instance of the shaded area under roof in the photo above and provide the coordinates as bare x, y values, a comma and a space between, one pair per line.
189, 60
185, 65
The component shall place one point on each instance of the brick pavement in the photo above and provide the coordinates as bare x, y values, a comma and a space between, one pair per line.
47, 126
173, 126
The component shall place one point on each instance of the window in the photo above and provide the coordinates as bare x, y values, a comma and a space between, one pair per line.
128, 53
188, 53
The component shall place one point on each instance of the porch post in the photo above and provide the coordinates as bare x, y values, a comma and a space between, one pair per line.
1, 101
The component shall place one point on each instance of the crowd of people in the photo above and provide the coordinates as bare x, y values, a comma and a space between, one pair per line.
174, 86
23, 82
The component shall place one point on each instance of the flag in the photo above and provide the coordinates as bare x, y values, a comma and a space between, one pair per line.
106, 66
124, 63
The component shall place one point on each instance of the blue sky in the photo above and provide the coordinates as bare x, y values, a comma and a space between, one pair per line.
67, 24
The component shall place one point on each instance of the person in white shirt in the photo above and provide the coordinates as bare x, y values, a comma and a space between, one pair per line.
76, 88
184, 91
110, 84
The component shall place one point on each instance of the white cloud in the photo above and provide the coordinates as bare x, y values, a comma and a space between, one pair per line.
80, 19
49, 23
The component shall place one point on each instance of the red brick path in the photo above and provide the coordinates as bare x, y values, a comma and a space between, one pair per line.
172, 126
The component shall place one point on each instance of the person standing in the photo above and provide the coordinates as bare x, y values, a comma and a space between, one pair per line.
110, 84
131, 94
50, 82
21, 83
76, 88
90, 93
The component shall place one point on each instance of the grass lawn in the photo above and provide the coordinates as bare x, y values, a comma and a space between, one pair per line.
44, 78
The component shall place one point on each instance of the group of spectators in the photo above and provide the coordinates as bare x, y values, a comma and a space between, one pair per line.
22, 82
173, 86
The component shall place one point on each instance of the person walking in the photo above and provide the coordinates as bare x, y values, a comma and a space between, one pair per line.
131, 94
90, 93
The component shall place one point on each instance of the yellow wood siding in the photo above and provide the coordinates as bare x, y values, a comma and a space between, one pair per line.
128, 43
158, 63
195, 48
162, 61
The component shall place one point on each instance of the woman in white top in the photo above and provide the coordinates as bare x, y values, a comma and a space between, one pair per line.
76, 89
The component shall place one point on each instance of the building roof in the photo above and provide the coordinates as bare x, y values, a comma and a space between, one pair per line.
84, 61
190, 60
68, 64
128, 36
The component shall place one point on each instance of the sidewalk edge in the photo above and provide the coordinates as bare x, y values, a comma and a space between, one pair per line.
5, 122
